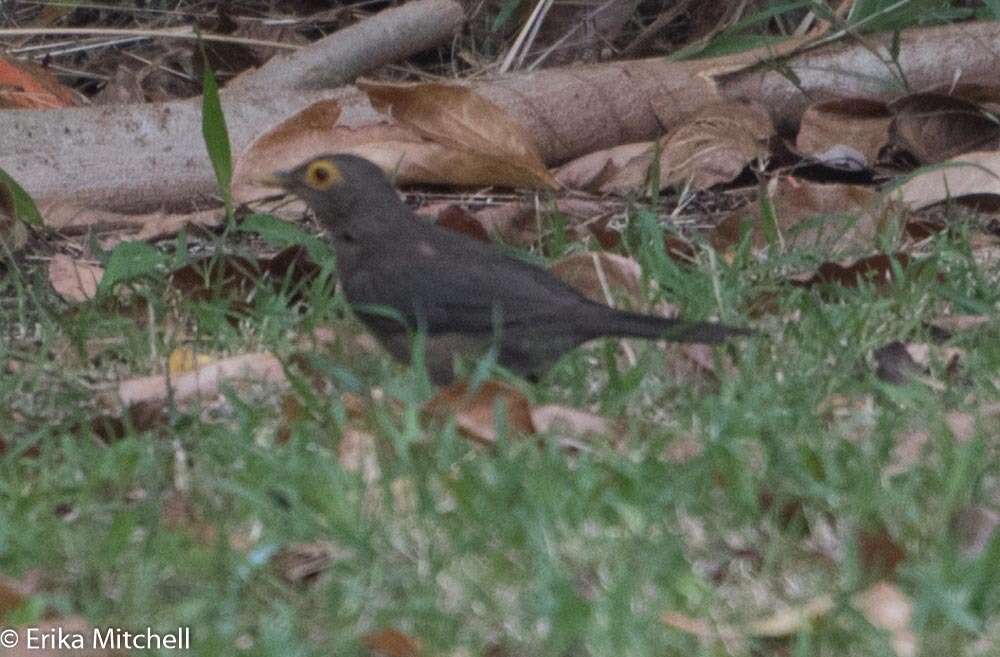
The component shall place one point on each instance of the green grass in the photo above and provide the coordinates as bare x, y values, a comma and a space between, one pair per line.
524, 547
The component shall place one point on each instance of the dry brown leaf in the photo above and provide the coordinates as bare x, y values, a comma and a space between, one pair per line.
975, 526
781, 623
460, 220
959, 323
571, 422
316, 131
791, 620
461, 120
874, 270
15, 592
179, 514
427, 162
300, 562
838, 219
962, 425
682, 449
593, 171
878, 552
696, 363
398, 150
356, 452
75, 220
969, 174
74, 281
835, 130
935, 127
27, 85
602, 277
910, 445
475, 412
124, 85
714, 146
391, 643
699, 627
907, 452
889, 609
520, 223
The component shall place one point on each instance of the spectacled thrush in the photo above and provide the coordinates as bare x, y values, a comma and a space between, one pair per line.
402, 274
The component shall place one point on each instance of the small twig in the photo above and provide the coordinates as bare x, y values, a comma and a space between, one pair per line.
527, 34
184, 32
603, 279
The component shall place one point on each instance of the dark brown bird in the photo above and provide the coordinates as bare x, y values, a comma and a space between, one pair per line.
402, 275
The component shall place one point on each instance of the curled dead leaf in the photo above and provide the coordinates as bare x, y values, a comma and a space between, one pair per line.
838, 219
859, 124
476, 411
602, 277
594, 171
713, 146
874, 270
463, 121
26, 85
459, 220
933, 127
974, 526
357, 452
302, 562
889, 609
74, 281
791, 620
969, 174
571, 422
482, 147
392, 643
14, 592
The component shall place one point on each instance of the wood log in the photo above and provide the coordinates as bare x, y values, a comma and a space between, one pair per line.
134, 157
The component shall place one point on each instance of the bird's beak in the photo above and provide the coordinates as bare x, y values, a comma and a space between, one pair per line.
282, 179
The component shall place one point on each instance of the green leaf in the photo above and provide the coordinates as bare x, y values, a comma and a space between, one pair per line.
14, 196
275, 231
213, 129
281, 233
128, 261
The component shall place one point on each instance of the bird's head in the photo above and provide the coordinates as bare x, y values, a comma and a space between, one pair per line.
338, 187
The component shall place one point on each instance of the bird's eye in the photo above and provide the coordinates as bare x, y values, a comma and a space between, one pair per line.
322, 175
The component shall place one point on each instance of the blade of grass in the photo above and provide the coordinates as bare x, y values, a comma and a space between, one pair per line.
213, 130
22, 205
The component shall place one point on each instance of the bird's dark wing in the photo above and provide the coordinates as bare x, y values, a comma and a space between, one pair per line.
448, 285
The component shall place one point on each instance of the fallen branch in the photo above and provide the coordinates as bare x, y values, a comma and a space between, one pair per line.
338, 58
134, 157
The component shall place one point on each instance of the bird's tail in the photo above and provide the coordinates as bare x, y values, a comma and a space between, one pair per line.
623, 324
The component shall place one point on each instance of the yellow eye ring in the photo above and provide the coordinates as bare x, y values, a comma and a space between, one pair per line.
321, 175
